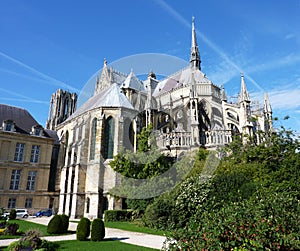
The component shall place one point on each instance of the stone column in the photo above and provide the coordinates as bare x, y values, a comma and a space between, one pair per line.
62, 190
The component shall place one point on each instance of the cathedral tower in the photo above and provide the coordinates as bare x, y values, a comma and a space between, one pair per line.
62, 106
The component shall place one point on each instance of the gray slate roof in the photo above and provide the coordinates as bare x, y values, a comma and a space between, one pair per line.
132, 82
181, 78
21, 117
23, 120
110, 97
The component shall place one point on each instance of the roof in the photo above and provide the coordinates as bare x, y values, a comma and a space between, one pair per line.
21, 117
181, 78
132, 82
52, 134
109, 97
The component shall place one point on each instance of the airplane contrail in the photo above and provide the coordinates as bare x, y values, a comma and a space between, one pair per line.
40, 74
212, 45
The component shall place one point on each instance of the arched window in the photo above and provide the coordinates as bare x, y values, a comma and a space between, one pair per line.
108, 143
87, 205
93, 139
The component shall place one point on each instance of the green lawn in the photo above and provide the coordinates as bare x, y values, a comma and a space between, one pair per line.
129, 226
24, 226
110, 245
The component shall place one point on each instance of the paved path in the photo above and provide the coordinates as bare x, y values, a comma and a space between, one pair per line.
139, 239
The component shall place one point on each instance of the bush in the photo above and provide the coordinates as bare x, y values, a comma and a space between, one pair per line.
65, 222
159, 215
83, 229
12, 214
267, 221
32, 241
117, 215
11, 229
98, 230
55, 225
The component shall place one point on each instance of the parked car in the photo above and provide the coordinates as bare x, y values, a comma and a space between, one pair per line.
44, 212
20, 213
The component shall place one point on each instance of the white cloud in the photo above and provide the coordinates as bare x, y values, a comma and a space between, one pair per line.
278, 62
290, 36
285, 99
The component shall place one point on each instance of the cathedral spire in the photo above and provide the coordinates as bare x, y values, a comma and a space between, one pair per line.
267, 106
244, 95
223, 94
195, 60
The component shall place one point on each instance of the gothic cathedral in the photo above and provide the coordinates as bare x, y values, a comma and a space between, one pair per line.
186, 110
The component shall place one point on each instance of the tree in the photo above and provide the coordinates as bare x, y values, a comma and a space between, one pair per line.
147, 162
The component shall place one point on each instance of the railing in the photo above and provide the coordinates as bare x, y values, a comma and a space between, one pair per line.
184, 139
174, 139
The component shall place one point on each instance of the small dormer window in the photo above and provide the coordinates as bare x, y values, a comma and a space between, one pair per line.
8, 125
37, 130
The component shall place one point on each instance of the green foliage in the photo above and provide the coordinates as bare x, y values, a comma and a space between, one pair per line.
145, 139
267, 221
11, 229
12, 214
146, 163
65, 222
160, 214
117, 215
32, 241
250, 203
83, 229
98, 230
2, 216
55, 225
139, 205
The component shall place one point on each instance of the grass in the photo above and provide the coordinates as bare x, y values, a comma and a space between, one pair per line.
133, 227
110, 245
24, 226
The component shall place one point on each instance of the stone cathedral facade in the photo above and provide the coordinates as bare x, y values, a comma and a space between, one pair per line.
186, 109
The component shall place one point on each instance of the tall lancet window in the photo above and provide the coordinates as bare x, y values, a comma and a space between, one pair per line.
108, 146
93, 139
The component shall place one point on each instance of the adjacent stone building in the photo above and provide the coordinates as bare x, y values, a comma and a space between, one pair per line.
28, 161
186, 109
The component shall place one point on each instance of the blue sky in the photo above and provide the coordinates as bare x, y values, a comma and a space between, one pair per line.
46, 45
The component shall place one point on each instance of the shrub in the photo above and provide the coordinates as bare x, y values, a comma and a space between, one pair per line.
267, 221
12, 214
3, 224
65, 222
32, 241
117, 215
55, 225
159, 214
11, 229
98, 230
83, 229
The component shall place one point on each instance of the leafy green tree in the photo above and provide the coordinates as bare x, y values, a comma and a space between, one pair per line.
147, 162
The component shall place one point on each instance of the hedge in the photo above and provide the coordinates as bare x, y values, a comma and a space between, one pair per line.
117, 215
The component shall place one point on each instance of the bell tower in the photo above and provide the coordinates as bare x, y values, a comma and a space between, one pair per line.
62, 106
